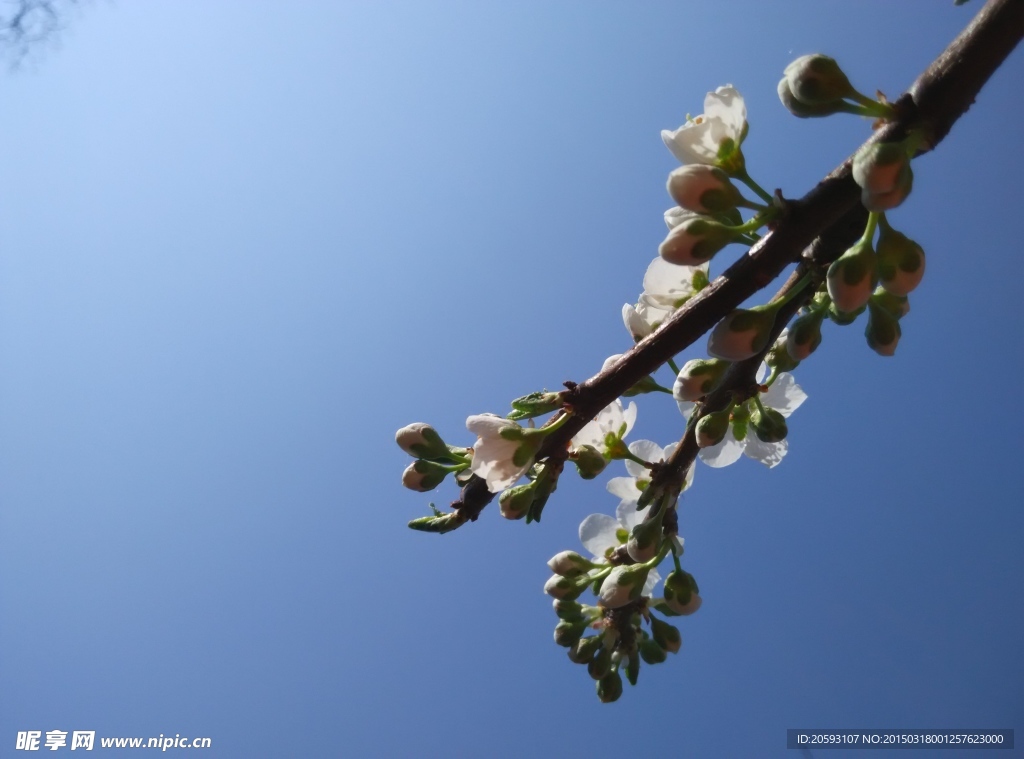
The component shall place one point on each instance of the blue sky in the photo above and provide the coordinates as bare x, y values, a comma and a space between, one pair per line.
241, 247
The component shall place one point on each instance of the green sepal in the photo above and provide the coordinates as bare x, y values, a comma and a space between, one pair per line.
651, 652
632, 667
439, 524
535, 404
609, 688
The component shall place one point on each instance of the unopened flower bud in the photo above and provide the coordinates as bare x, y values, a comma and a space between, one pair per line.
567, 634
803, 110
564, 587
778, 356
422, 475
515, 502
665, 635
584, 649
699, 377
711, 428
742, 333
644, 540
701, 188
568, 610
681, 593
852, 277
609, 688
882, 169
600, 663
651, 652
695, 240
569, 564
842, 318
804, 335
589, 461
900, 262
769, 425
898, 306
817, 80
422, 441
622, 585
883, 331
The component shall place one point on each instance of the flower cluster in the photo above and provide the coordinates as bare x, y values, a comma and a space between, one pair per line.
730, 410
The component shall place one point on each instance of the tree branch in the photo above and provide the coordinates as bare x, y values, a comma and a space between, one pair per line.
934, 102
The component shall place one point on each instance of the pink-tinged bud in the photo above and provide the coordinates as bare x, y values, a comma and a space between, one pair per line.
742, 333
712, 428
698, 377
883, 331
569, 564
563, 587
622, 585
422, 476
702, 189
878, 167
900, 262
852, 277
694, 240
804, 335
422, 441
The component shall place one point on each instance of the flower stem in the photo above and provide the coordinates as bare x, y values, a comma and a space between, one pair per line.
673, 367
744, 177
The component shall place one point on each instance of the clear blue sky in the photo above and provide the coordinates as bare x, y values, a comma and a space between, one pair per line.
242, 243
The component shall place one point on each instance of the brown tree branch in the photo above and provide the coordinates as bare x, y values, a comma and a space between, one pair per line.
933, 103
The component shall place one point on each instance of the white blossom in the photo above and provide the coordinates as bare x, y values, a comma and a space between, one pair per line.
628, 489
602, 534
785, 396
699, 139
493, 454
611, 419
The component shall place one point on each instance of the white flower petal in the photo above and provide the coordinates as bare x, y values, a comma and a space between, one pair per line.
628, 515
653, 578
723, 454
647, 450
628, 416
769, 454
597, 534
623, 488
785, 396
685, 408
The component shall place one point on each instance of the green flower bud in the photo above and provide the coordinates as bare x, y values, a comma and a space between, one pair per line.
679, 586
769, 425
852, 277
699, 377
643, 386
589, 461
622, 585
564, 587
535, 404
439, 523
570, 564
651, 652
695, 240
817, 80
712, 428
601, 662
803, 110
702, 189
515, 502
841, 317
882, 169
584, 650
804, 335
422, 475
568, 610
609, 688
883, 331
742, 333
900, 262
422, 441
665, 635
567, 634
644, 540
897, 306
778, 356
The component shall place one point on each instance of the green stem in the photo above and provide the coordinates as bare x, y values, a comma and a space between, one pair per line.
869, 228
794, 291
744, 177
673, 367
